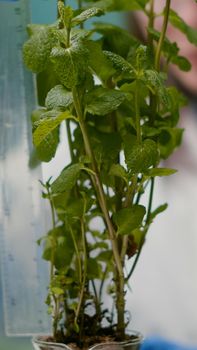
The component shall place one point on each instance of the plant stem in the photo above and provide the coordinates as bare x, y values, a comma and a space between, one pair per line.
83, 281
162, 36
103, 205
77, 254
137, 113
151, 24
69, 137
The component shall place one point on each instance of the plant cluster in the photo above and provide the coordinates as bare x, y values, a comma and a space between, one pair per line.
121, 120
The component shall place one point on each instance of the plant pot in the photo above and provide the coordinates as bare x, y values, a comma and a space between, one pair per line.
132, 344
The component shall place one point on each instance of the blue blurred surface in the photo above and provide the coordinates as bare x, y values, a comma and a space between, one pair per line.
158, 343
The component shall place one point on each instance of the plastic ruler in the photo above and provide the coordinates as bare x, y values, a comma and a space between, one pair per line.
24, 274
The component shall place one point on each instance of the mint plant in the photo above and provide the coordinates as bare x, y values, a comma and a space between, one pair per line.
121, 120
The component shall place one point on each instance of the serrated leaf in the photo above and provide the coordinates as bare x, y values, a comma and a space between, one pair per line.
155, 82
34, 28
67, 179
102, 101
70, 64
128, 219
59, 98
47, 124
160, 172
118, 62
85, 15
139, 157
180, 24
47, 148
36, 50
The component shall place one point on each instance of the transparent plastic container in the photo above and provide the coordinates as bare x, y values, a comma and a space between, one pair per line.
132, 344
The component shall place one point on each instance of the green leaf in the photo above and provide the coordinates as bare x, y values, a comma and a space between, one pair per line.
118, 170
160, 172
155, 83
58, 248
182, 63
70, 64
35, 28
123, 5
106, 146
139, 157
158, 210
128, 219
66, 14
180, 24
36, 50
94, 269
168, 140
102, 101
171, 51
85, 15
59, 98
45, 81
57, 291
98, 62
47, 124
67, 179
118, 62
47, 148
116, 39
105, 256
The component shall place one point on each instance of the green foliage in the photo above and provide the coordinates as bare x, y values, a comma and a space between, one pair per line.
180, 24
58, 98
67, 179
128, 219
37, 49
121, 118
140, 157
69, 64
102, 101
85, 15
171, 51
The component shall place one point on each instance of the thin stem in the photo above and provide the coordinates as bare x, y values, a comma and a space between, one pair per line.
145, 230
77, 254
162, 36
150, 199
103, 205
69, 137
151, 24
137, 113
83, 282
96, 181
136, 259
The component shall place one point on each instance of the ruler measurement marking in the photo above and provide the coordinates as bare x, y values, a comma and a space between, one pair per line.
11, 300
